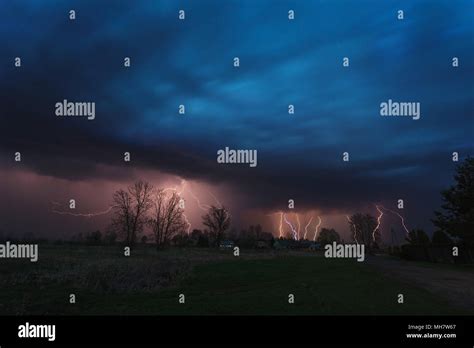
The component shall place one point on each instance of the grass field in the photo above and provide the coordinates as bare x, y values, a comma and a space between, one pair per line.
214, 282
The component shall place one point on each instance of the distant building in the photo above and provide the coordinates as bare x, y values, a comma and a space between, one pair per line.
227, 244
314, 246
263, 244
296, 244
285, 244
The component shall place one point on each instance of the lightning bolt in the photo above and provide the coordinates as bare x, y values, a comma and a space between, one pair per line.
299, 224
219, 205
379, 218
317, 227
306, 228
188, 231
401, 218
87, 215
175, 189
355, 229
182, 187
201, 206
215, 199
291, 226
281, 225
204, 207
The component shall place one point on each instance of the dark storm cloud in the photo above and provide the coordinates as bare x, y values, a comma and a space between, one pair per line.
282, 63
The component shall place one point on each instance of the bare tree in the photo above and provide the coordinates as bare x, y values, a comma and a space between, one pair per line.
218, 221
130, 210
167, 218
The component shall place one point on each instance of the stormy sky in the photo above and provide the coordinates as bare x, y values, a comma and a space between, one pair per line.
190, 62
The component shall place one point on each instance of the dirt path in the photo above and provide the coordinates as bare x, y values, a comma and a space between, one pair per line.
456, 286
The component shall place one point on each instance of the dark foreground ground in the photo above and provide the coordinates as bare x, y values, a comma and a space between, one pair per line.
215, 282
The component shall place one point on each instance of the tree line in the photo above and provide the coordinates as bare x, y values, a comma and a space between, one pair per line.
142, 206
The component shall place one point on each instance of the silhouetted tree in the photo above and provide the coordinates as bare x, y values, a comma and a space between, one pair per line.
110, 237
247, 238
362, 229
457, 217
78, 238
130, 210
266, 236
194, 236
233, 234
94, 238
218, 221
258, 232
203, 240
418, 237
167, 217
327, 236
181, 239
441, 238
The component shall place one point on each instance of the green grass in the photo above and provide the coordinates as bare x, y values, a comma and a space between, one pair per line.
246, 285
320, 286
